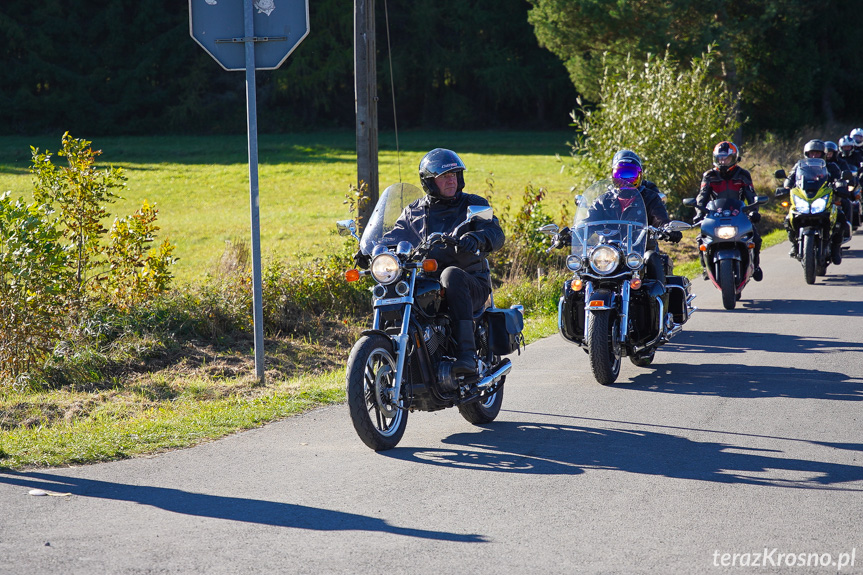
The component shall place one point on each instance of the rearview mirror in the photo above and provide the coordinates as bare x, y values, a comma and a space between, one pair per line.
479, 213
549, 229
347, 228
689, 202
779, 174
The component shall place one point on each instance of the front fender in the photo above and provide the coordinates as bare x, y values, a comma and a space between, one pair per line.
601, 299
727, 253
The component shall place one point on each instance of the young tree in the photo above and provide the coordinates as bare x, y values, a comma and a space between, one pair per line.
671, 117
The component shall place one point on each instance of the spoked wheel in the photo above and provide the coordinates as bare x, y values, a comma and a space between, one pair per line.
726, 282
809, 259
379, 418
604, 362
486, 409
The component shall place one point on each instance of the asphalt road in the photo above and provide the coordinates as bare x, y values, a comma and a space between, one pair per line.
741, 445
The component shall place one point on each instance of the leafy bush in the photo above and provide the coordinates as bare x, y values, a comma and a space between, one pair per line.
671, 117
520, 218
57, 260
34, 279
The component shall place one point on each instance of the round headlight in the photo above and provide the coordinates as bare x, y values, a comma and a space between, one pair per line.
573, 263
604, 259
726, 232
634, 261
385, 268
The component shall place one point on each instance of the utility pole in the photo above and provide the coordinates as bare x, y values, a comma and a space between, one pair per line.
366, 98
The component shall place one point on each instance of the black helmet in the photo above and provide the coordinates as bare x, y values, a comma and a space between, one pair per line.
438, 162
831, 150
627, 156
813, 146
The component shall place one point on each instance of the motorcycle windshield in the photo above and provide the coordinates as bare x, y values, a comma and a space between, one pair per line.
811, 175
382, 228
608, 215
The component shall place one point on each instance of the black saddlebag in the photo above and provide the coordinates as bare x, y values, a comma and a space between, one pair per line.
678, 293
504, 330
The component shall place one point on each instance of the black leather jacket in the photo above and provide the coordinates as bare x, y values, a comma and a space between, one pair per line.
428, 215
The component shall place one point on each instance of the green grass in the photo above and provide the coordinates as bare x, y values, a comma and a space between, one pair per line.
200, 184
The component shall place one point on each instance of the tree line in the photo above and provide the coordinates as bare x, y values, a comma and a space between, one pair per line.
115, 67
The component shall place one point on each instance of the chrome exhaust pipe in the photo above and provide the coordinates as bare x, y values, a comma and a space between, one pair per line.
496, 375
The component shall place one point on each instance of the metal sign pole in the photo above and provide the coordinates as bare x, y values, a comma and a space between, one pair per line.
252, 121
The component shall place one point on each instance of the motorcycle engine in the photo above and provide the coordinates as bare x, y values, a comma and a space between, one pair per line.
434, 336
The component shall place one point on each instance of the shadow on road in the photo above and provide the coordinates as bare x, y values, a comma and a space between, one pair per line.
521, 447
230, 508
706, 342
746, 381
814, 306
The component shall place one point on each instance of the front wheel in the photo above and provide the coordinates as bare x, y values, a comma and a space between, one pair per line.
809, 258
604, 362
379, 419
486, 409
726, 283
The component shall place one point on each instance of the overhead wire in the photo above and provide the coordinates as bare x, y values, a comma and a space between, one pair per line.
393, 89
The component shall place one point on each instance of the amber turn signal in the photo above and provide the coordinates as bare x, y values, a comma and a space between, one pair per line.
429, 265
702, 247
635, 283
576, 285
352, 275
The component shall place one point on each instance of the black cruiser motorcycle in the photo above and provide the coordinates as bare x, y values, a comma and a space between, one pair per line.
404, 362
727, 246
609, 307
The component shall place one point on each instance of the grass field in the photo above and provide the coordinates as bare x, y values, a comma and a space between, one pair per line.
200, 184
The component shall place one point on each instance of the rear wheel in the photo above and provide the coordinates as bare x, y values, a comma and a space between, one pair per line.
726, 283
604, 362
809, 256
379, 419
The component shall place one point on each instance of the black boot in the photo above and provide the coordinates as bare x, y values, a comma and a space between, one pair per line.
757, 273
465, 359
836, 251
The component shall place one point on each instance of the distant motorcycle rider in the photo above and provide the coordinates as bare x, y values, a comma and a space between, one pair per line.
465, 275
816, 149
849, 152
728, 180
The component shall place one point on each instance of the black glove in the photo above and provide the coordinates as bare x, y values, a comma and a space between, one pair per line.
468, 243
674, 236
754, 217
362, 260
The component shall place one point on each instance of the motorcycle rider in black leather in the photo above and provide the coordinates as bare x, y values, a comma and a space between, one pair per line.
464, 272
657, 216
849, 152
728, 180
816, 149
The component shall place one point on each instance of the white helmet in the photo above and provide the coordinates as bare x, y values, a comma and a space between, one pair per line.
857, 135
846, 144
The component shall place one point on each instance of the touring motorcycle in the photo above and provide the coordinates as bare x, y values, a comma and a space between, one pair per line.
812, 215
404, 362
727, 245
609, 307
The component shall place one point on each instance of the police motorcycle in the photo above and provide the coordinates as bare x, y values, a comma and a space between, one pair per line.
609, 307
727, 245
812, 214
404, 362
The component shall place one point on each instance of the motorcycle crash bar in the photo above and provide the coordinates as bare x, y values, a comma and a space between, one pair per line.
496, 375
